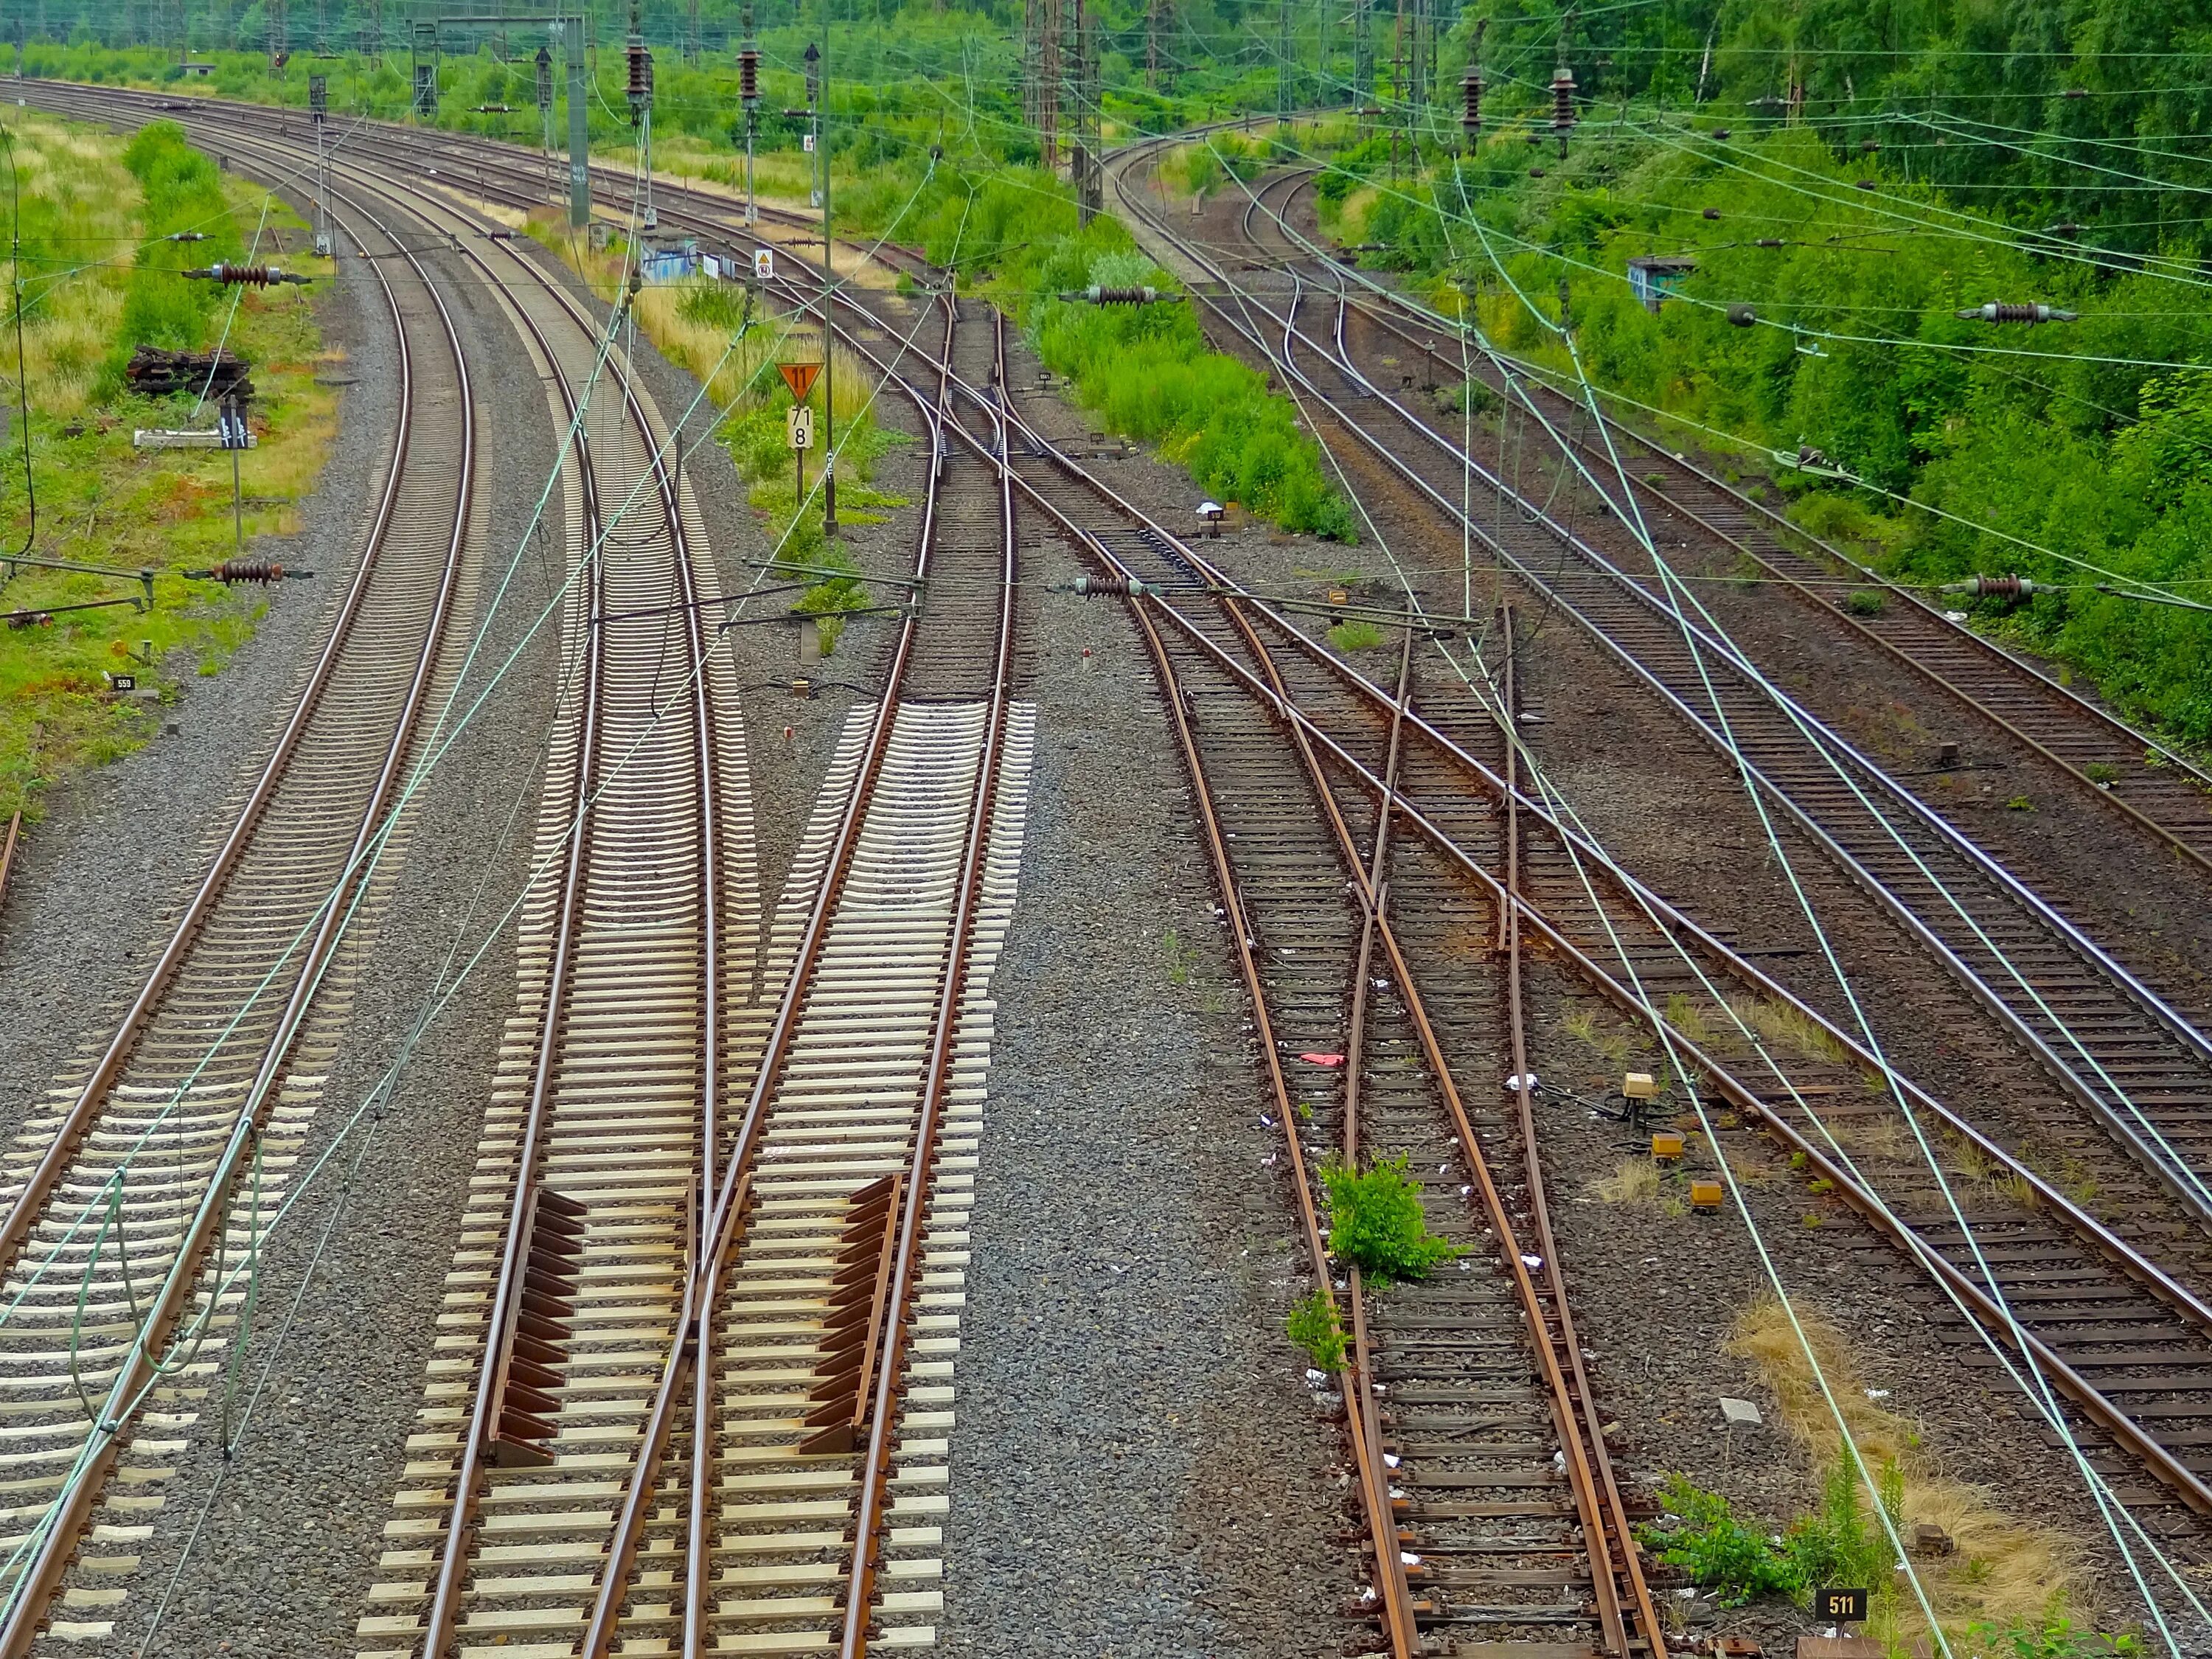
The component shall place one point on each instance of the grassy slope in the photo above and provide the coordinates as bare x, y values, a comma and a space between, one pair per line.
90, 294
2107, 461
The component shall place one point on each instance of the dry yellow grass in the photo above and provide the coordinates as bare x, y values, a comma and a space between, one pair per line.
1635, 1182
2001, 1569
1783, 1028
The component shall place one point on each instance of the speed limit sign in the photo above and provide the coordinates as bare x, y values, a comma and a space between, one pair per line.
798, 426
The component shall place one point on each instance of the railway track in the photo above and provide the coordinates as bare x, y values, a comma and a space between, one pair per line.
2124, 1341
1510, 1529
2095, 1314
2098, 1312
168, 1153
2107, 1335
2159, 789
601, 1232
2119, 1050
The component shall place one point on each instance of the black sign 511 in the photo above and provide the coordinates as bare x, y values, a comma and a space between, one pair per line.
1842, 1607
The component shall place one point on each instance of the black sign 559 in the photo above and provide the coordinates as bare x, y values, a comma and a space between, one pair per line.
1842, 1607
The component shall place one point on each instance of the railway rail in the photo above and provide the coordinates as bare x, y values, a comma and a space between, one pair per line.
2159, 789
589, 1167
2108, 1314
2117, 1048
2095, 1312
175, 1146
1406, 837
823, 1116
2108, 1330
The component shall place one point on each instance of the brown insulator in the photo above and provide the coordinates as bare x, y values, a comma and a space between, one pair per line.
1470, 89
749, 77
1563, 100
260, 571
231, 276
1111, 588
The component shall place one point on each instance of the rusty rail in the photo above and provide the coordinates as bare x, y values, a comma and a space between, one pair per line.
883, 1427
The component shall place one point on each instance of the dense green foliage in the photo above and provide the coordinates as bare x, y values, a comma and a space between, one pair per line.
1375, 1222
2073, 452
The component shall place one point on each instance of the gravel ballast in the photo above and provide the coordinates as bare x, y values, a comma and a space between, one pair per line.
98, 880
1138, 1468
291, 1527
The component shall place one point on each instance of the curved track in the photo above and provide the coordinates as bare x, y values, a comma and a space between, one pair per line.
174, 1146
778, 1301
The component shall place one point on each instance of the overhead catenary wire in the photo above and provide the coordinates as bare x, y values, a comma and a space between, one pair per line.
1904, 1104
300, 1189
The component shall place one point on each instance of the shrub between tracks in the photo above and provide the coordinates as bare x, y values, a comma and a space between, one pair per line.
1375, 1222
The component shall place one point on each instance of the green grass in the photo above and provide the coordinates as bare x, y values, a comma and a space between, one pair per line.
1349, 636
93, 291
1314, 1327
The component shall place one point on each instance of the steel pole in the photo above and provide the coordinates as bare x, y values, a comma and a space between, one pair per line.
579, 148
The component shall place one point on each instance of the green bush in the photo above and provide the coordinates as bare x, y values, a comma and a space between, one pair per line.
1314, 1327
2052, 1637
1375, 1222
1720, 1552
1149, 372
1835, 1544
1838, 1544
183, 192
